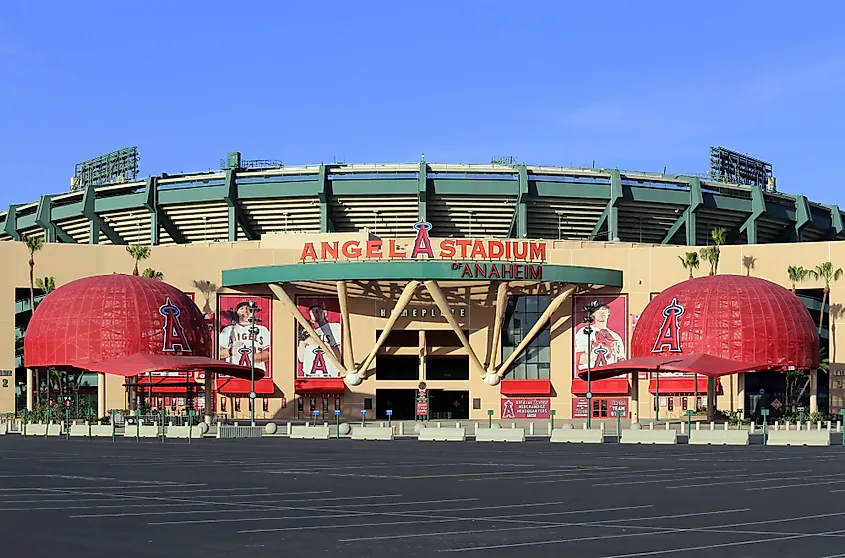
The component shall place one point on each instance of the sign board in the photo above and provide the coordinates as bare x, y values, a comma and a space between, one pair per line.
776, 404
613, 405
837, 388
5, 373
526, 407
422, 407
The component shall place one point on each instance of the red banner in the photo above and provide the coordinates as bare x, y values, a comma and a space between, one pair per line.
325, 318
422, 408
526, 407
235, 340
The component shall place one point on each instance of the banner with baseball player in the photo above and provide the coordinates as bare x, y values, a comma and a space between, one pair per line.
324, 315
234, 338
608, 343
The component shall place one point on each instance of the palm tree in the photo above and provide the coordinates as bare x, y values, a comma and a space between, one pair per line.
711, 256
719, 236
690, 262
796, 275
138, 253
33, 244
46, 285
826, 273
151, 273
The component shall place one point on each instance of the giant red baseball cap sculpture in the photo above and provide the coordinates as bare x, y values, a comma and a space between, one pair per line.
720, 325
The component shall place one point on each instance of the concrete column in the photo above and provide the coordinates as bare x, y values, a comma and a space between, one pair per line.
101, 395
423, 355
29, 387
740, 393
635, 397
814, 391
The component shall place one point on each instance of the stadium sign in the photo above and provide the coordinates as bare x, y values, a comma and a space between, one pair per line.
424, 248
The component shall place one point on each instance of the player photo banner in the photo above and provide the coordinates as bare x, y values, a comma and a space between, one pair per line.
609, 339
324, 315
234, 338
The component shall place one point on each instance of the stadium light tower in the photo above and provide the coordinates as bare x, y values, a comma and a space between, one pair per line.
253, 330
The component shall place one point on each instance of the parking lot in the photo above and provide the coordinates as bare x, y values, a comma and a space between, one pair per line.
274, 497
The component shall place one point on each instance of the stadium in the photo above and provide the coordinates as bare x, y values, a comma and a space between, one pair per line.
415, 287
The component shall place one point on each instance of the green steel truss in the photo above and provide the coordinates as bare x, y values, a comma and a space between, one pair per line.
515, 201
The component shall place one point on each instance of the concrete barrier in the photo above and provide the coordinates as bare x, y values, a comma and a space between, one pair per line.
145, 431
224, 431
41, 430
310, 432
574, 436
500, 435
97, 430
372, 433
4, 428
442, 435
649, 437
719, 438
799, 438
180, 432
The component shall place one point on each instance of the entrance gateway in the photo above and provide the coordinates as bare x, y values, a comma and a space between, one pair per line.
408, 295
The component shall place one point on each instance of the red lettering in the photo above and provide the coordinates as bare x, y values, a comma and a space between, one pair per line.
351, 249
374, 249
393, 251
463, 245
328, 251
480, 270
422, 243
308, 252
319, 363
494, 271
538, 251
497, 249
447, 248
520, 250
478, 250
535, 272
519, 271
466, 271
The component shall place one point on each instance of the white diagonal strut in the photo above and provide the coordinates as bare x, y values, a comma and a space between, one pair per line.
493, 350
343, 296
289, 305
401, 304
541, 322
443, 305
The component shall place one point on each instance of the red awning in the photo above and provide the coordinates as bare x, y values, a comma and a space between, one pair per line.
609, 386
685, 385
240, 386
318, 385
526, 387
705, 364
140, 363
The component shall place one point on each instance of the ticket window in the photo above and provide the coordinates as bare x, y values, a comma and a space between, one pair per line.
299, 406
671, 404
684, 403
325, 404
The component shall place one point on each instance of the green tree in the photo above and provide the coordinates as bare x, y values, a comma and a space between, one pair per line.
33, 244
46, 285
151, 273
796, 274
710, 255
719, 236
825, 272
690, 262
138, 253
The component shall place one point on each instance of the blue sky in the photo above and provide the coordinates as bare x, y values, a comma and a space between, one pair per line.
635, 85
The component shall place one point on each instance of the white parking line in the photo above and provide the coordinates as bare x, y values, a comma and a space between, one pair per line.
745, 480
780, 486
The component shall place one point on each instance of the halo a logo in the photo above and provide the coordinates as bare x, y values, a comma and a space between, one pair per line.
669, 336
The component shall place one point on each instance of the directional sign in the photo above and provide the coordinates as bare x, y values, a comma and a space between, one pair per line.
363, 413
777, 404
315, 413
337, 412
389, 413
68, 403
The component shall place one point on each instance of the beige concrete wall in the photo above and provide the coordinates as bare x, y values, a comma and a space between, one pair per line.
646, 269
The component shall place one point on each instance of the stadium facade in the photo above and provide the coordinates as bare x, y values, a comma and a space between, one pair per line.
372, 279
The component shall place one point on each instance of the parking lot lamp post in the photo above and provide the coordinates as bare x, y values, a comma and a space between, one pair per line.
589, 310
253, 331
689, 424
619, 425
765, 413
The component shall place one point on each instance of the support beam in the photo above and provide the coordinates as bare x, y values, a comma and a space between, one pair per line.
493, 350
96, 224
519, 222
539, 325
209, 395
696, 200
758, 208
325, 195
600, 224
30, 385
613, 213
802, 216
343, 297
101, 395
237, 217
158, 218
407, 293
422, 193
835, 220
443, 305
676, 226
43, 218
10, 227
290, 306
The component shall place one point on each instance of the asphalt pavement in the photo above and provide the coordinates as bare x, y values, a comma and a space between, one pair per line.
249, 498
